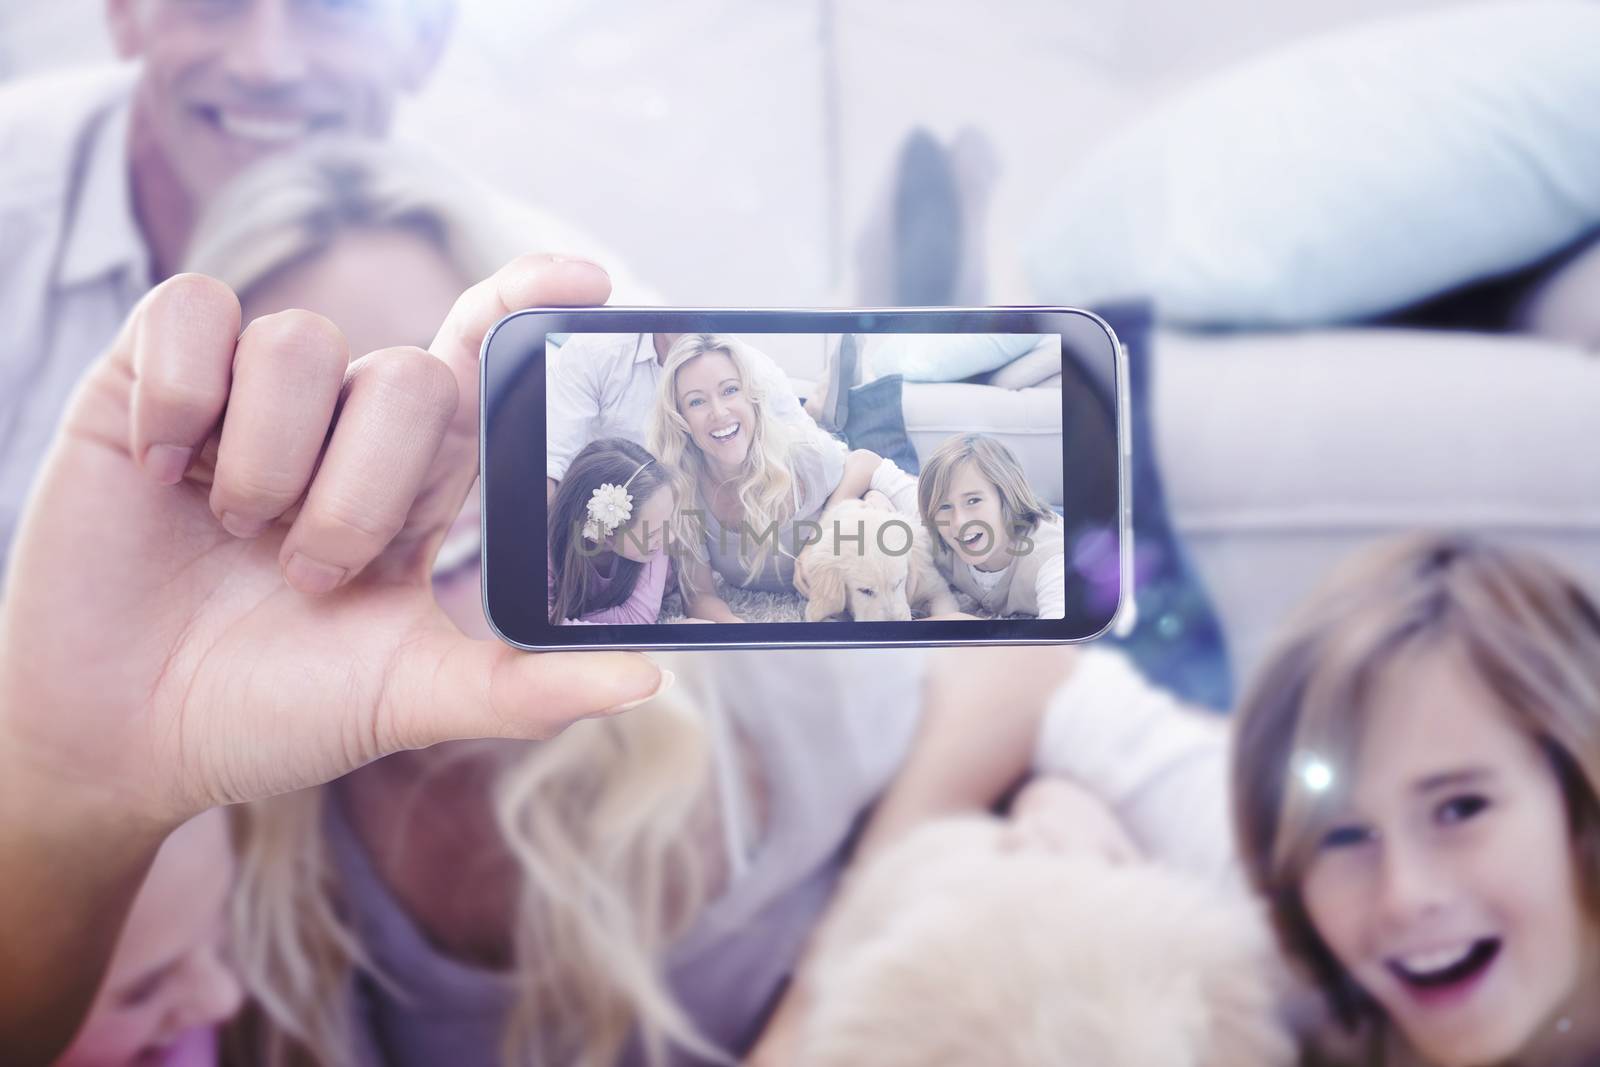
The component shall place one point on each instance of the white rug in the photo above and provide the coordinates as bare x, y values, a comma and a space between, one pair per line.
754, 606
749, 604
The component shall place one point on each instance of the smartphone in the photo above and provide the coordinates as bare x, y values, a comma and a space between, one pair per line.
660, 478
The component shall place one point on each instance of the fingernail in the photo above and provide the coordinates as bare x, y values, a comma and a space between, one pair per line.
240, 526
166, 463
667, 680
312, 576
576, 259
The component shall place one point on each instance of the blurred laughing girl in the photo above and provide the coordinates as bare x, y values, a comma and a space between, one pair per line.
1416, 785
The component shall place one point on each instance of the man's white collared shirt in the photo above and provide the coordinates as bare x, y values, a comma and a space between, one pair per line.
74, 263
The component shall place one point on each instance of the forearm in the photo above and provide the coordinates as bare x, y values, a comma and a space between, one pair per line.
858, 468
1160, 765
897, 485
698, 586
72, 865
643, 604
982, 710
710, 607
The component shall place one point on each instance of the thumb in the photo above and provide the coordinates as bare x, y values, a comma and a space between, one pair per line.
449, 687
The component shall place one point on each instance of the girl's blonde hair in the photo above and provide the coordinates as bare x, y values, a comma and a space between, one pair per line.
764, 485
598, 819
1020, 507
1532, 635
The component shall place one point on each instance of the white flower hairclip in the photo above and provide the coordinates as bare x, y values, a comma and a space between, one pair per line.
609, 507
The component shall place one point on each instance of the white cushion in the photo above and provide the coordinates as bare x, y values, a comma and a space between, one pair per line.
1283, 453
1346, 176
1040, 362
948, 357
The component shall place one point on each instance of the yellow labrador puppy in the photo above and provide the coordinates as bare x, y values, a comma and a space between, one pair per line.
872, 565
966, 944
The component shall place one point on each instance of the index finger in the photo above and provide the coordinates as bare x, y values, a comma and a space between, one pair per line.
526, 282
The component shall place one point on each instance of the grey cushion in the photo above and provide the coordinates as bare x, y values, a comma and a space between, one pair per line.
875, 420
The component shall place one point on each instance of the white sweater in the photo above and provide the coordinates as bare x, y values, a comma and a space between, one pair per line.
1161, 766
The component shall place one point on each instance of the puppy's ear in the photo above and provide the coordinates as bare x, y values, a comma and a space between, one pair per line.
825, 595
803, 565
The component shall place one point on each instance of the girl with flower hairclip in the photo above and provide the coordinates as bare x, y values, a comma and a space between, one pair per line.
607, 531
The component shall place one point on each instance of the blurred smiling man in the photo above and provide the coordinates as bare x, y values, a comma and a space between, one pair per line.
104, 173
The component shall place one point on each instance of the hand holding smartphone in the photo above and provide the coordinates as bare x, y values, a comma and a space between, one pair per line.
683, 481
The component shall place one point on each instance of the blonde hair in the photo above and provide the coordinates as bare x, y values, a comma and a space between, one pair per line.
292, 207
1533, 637
1020, 506
601, 822
764, 485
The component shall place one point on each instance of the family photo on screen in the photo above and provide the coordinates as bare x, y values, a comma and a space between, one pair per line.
686, 482
296, 293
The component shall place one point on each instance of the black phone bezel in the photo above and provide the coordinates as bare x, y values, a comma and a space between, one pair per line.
514, 518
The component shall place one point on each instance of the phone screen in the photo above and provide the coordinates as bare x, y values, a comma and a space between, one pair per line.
733, 478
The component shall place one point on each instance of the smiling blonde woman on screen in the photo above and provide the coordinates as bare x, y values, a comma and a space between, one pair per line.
743, 480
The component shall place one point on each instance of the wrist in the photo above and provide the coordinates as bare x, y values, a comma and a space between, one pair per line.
74, 863
46, 784
40, 801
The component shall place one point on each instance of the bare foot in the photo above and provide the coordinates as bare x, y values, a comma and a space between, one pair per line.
813, 407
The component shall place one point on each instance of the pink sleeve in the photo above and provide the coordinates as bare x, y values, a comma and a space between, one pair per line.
643, 606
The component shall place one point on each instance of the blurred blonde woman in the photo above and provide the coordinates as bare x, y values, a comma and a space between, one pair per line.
744, 482
367, 230
633, 891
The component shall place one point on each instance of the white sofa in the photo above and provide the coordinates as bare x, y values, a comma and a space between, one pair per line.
1284, 453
